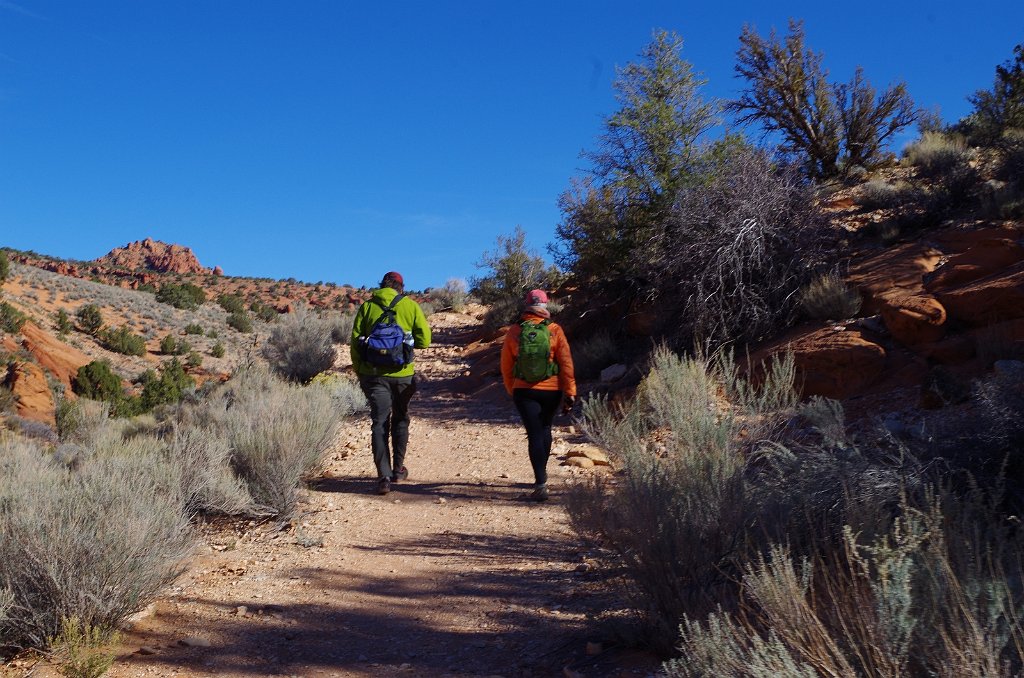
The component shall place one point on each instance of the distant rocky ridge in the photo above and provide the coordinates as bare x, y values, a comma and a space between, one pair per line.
153, 255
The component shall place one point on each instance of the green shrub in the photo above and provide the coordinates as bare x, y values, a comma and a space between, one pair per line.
513, 269
81, 650
264, 312
240, 321
63, 322
169, 345
90, 320
193, 328
218, 350
97, 381
168, 387
194, 359
232, 303
828, 297
96, 544
300, 347
936, 153
211, 333
11, 319
122, 340
184, 295
5, 267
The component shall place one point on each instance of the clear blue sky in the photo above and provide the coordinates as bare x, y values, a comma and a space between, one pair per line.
333, 140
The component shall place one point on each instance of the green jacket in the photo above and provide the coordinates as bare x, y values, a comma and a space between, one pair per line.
411, 319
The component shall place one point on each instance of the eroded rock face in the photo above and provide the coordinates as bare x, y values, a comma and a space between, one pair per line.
986, 257
831, 362
32, 394
993, 299
154, 255
53, 355
914, 318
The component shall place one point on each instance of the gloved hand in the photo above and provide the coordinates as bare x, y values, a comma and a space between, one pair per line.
567, 403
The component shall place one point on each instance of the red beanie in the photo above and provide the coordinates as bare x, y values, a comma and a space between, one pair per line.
534, 297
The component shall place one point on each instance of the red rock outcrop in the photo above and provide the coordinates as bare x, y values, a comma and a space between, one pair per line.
53, 355
830, 362
982, 259
913, 319
31, 392
154, 255
995, 298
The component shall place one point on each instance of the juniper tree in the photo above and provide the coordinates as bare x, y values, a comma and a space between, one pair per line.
830, 126
650, 148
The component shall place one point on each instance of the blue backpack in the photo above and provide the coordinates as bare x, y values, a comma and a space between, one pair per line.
387, 345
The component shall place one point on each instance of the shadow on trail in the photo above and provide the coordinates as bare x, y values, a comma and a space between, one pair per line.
527, 617
419, 492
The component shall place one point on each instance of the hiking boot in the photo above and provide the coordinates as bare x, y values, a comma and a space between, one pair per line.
540, 493
400, 474
383, 486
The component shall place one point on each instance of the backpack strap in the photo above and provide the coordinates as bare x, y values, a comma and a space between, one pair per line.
389, 310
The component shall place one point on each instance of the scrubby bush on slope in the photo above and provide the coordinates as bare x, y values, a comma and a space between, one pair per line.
300, 346
786, 548
96, 543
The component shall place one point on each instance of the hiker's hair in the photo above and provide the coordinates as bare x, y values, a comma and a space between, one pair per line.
393, 283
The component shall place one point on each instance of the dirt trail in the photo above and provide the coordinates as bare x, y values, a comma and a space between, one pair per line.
452, 574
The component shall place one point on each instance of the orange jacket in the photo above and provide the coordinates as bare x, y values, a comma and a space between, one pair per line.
564, 381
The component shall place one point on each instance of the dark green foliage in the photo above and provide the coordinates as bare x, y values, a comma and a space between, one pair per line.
232, 303
184, 295
193, 328
1000, 108
147, 287
122, 340
63, 322
650, 148
11, 319
194, 359
264, 312
90, 320
513, 270
218, 350
832, 127
240, 321
5, 266
97, 381
168, 387
169, 345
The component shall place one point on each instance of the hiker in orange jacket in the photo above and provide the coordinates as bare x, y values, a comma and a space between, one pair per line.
538, 386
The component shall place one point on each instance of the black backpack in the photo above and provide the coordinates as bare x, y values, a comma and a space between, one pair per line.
387, 344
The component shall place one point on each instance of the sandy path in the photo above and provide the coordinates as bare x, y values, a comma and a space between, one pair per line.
452, 574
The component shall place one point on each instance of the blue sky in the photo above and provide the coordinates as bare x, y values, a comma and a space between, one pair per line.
330, 140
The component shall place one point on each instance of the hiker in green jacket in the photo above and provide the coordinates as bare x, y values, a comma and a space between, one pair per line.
386, 371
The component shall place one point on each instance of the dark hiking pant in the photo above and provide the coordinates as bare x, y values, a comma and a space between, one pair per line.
389, 412
537, 409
